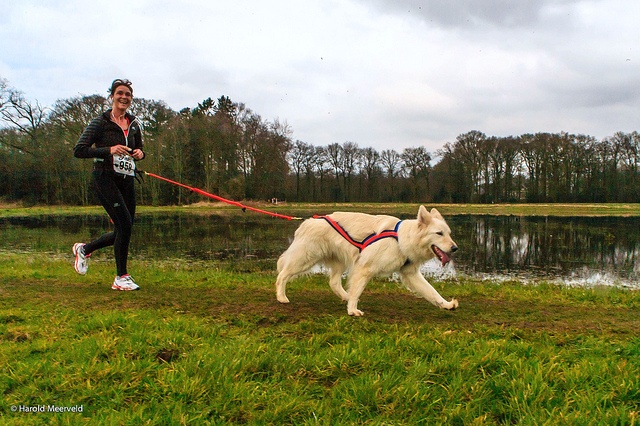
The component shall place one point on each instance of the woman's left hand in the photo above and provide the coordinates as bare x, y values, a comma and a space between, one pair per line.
137, 154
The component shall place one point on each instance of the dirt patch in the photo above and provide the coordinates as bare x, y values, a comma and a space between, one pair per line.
385, 307
5, 205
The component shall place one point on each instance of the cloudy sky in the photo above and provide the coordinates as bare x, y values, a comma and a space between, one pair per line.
380, 73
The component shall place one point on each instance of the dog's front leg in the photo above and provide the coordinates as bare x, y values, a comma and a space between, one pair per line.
358, 280
414, 280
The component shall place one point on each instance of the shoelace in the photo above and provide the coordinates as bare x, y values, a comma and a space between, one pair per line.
128, 279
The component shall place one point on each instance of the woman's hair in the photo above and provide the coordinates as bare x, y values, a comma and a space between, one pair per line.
119, 82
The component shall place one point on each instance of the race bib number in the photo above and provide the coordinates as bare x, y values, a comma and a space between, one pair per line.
124, 164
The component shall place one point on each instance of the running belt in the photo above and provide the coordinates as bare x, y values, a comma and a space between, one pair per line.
361, 245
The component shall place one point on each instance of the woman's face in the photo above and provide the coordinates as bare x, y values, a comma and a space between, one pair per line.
121, 98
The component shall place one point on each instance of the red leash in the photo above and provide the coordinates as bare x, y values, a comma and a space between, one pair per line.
224, 200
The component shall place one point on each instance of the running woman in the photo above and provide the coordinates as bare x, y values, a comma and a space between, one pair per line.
114, 141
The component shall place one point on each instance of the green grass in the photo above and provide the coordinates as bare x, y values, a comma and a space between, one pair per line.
207, 343
308, 209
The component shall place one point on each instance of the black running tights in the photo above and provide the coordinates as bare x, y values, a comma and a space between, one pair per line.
118, 197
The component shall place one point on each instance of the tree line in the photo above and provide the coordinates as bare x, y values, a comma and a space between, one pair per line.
226, 148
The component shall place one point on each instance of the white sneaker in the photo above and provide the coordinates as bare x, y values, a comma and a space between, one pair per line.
124, 283
81, 264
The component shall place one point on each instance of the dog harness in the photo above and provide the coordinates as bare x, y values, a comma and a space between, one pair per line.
361, 245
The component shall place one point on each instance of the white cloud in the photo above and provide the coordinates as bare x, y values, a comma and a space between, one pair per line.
384, 73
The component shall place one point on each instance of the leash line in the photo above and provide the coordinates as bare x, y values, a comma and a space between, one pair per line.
218, 198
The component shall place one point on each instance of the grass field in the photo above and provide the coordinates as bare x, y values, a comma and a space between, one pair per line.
207, 343
576, 209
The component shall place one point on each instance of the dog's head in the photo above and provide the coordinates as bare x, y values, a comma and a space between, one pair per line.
435, 234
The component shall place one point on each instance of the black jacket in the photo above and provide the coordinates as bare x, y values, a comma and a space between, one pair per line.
102, 133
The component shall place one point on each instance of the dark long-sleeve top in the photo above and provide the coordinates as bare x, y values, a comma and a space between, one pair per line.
102, 133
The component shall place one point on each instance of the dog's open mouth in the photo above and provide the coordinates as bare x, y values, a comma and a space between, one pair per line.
444, 258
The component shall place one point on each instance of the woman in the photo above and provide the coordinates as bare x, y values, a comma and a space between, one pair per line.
114, 141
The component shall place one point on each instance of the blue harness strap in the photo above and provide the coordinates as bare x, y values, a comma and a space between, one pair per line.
361, 245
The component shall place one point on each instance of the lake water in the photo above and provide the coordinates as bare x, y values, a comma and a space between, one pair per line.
577, 251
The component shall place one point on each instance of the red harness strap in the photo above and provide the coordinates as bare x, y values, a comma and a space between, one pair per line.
361, 245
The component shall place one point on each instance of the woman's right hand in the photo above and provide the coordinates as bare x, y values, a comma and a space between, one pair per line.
120, 150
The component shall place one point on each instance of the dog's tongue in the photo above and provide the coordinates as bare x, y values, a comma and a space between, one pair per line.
441, 255
444, 258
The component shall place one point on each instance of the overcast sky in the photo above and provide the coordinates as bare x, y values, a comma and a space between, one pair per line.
380, 73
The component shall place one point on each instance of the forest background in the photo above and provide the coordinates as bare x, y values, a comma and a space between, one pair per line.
224, 147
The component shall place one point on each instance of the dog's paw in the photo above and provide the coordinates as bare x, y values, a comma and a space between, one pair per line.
283, 299
452, 305
355, 313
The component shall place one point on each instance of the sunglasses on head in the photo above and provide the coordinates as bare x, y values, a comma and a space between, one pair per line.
120, 82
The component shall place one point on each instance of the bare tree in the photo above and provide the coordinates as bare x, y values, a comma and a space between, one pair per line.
335, 157
391, 165
321, 164
27, 118
417, 163
468, 150
350, 158
299, 157
370, 159
5, 93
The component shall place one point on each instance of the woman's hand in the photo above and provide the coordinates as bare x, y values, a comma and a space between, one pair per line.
137, 154
120, 150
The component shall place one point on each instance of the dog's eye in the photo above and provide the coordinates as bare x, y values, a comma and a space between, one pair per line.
440, 233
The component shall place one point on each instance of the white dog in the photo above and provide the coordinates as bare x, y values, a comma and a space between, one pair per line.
368, 245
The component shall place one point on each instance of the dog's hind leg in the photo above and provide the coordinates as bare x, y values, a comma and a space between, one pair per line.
335, 279
358, 280
281, 286
293, 262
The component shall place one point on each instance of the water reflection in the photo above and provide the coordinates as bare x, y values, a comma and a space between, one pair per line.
568, 248
576, 250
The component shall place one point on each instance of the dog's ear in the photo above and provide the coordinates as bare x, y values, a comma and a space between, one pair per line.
435, 213
424, 217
